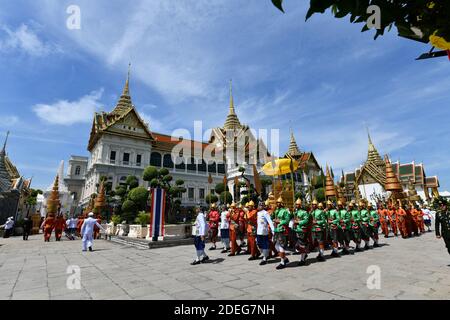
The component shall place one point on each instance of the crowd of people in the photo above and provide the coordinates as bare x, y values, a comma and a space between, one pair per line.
270, 230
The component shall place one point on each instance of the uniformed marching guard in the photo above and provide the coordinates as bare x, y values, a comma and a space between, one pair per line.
333, 223
356, 225
442, 224
234, 229
319, 227
365, 227
345, 225
251, 219
302, 222
201, 231
282, 219
374, 225
225, 229
213, 220
264, 228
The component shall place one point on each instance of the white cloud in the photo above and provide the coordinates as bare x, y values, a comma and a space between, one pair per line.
26, 40
153, 124
65, 112
8, 121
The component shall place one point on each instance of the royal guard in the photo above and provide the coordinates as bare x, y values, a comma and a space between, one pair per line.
59, 225
80, 224
420, 222
251, 218
264, 228
97, 229
333, 226
302, 222
412, 221
384, 219
416, 214
356, 225
225, 229
345, 225
281, 221
273, 251
365, 227
47, 226
374, 225
401, 219
234, 229
409, 221
213, 221
392, 212
442, 223
242, 227
319, 227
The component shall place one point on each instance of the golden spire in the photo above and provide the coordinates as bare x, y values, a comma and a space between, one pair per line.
126, 89
372, 154
232, 111
4, 144
124, 104
392, 183
232, 122
293, 147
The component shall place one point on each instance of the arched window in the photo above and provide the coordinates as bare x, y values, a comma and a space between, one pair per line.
167, 161
180, 164
155, 159
202, 166
192, 165
212, 167
221, 168
77, 170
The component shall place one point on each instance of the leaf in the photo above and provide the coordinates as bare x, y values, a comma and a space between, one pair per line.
278, 4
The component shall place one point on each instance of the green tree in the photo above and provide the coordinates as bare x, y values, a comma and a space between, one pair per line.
418, 19
226, 197
211, 198
139, 196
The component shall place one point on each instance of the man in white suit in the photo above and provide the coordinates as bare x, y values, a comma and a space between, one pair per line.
87, 231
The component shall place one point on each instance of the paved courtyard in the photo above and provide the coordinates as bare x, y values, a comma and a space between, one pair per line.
416, 268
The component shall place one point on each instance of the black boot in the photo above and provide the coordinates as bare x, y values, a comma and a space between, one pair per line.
320, 258
195, 262
263, 263
335, 254
90, 249
281, 266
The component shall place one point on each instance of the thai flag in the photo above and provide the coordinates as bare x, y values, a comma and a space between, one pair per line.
157, 213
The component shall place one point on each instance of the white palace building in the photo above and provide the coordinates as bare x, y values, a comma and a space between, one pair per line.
121, 144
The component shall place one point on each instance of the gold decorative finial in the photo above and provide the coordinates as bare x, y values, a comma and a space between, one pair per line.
368, 134
231, 98
6, 140
126, 90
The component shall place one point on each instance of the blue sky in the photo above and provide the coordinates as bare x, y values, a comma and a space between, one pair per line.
322, 77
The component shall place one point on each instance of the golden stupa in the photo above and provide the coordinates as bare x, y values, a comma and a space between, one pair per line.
53, 202
100, 200
392, 184
330, 191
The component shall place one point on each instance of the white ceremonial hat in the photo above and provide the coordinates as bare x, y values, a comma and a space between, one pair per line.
91, 214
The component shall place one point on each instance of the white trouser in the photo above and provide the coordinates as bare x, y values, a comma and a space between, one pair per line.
88, 241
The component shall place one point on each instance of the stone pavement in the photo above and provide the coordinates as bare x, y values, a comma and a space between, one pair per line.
416, 268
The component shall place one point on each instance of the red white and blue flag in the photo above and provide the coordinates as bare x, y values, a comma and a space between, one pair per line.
157, 213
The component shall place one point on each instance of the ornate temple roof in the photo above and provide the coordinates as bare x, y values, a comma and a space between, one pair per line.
123, 111
372, 154
232, 122
5, 178
11, 168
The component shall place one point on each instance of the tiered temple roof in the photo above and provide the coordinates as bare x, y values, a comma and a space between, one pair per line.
232, 122
5, 178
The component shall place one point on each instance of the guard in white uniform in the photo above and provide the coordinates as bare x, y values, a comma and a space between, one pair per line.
87, 231
201, 230
225, 229
262, 232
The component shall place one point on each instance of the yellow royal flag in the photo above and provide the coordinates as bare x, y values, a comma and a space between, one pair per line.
439, 42
281, 166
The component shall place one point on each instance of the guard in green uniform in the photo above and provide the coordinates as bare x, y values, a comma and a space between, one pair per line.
345, 225
319, 227
356, 225
281, 221
365, 228
374, 224
442, 224
333, 227
302, 221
